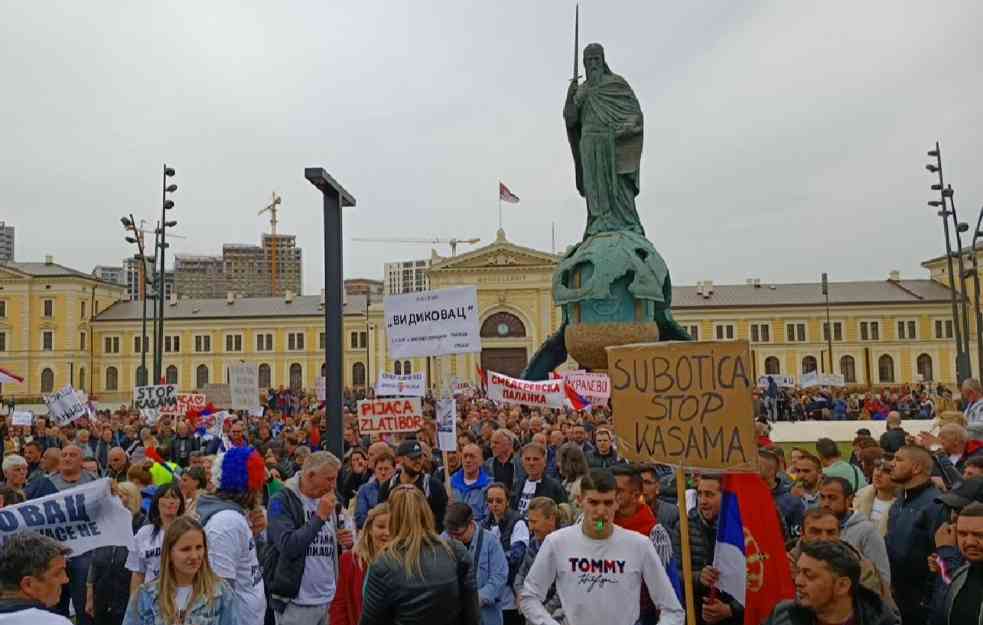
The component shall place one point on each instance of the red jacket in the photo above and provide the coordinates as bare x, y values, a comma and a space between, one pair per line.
346, 608
642, 521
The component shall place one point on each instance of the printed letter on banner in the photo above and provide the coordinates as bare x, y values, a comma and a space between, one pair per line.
408, 385
544, 394
684, 403
433, 323
379, 416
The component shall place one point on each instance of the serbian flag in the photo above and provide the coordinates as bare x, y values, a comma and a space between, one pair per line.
578, 401
750, 551
505, 195
8, 377
482, 377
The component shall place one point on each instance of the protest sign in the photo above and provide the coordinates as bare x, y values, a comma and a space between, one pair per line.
185, 402
390, 415
461, 388
544, 394
320, 388
408, 385
219, 395
155, 397
22, 417
447, 424
65, 406
244, 386
433, 323
814, 378
594, 386
82, 518
780, 380
684, 403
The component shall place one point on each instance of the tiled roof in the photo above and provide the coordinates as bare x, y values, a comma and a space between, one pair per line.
50, 270
810, 294
246, 307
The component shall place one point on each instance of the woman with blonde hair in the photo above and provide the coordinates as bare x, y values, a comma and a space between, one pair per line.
187, 591
419, 578
346, 608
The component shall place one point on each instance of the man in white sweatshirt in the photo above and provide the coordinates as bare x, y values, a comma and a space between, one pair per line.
598, 568
32, 572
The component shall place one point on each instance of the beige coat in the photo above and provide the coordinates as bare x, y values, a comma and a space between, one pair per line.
863, 502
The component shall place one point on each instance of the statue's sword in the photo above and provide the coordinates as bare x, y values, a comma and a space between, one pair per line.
576, 42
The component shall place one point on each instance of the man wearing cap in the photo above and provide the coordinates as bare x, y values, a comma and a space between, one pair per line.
409, 454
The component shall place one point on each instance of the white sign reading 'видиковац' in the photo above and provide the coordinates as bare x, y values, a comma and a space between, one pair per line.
433, 323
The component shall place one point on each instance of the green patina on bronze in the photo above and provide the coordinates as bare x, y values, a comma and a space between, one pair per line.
615, 274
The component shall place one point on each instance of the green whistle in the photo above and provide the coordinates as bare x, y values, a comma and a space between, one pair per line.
599, 525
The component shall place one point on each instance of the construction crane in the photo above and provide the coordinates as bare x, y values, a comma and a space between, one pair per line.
272, 209
452, 242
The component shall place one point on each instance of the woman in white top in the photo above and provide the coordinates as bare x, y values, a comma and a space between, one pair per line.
875, 500
144, 558
187, 591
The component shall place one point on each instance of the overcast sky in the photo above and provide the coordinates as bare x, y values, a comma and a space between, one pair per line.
782, 139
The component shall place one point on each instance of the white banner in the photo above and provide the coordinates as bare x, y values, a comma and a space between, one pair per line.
780, 380
376, 416
244, 386
447, 424
23, 418
408, 385
544, 394
595, 386
433, 323
821, 379
81, 518
65, 406
319, 387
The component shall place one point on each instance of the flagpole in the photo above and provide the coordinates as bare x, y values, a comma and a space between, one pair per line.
499, 210
684, 543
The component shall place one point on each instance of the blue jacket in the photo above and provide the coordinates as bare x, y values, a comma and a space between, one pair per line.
144, 608
365, 500
472, 494
791, 508
492, 574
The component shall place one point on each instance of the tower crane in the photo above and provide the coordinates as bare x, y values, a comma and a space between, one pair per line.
272, 209
453, 242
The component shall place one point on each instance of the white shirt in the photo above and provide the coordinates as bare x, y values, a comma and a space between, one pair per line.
528, 492
879, 509
33, 616
594, 576
181, 596
144, 557
974, 412
232, 554
317, 586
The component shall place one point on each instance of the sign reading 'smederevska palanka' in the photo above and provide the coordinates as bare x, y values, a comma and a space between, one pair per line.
684, 403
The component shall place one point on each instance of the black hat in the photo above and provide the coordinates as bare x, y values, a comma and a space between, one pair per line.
409, 449
863, 432
966, 493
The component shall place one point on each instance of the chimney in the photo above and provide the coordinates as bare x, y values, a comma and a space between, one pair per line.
699, 287
322, 298
757, 283
230, 297
894, 276
709, 286
49, 259
288, 296
172, 300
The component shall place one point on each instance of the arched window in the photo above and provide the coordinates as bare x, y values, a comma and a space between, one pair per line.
848, 369
924, 364
407, 368
296, 376
112, 379
47, 381
772, 366
82, 378
358, 374
397, 367
503, 325
141, 376
885, 369
265, 379
170, 375
201, 376
808, 364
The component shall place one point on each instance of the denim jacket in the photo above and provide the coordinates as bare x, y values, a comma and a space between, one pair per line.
144, 608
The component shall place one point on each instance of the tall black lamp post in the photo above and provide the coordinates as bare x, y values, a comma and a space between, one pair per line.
162, 245
975, 269
335, 198
137, 238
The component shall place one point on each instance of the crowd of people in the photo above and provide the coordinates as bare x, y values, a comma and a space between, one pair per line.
776, 402
534, 518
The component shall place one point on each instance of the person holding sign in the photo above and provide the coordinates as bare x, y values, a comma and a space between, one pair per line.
32, 573
596, 566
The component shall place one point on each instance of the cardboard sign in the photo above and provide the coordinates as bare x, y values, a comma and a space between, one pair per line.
596, 386
155, 397
684, 403
185, 402
408, 385
433, 323
65, 406
376, 416
544, 394
244, 386
22, 418
447, 424
218, 394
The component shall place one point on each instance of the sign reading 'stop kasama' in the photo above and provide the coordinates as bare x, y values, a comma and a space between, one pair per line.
433, 323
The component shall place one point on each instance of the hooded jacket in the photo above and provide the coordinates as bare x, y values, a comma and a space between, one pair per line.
859, 532
472, 494
868, 609
792, 508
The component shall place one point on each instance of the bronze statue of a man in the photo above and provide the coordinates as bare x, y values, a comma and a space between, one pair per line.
604, 126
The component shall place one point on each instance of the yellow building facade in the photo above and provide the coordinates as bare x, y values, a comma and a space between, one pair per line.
884, 332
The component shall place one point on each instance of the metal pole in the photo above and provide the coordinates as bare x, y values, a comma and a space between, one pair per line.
368, 353
976, 288
961, 369
160, 292
829, 325
138, 236
156, 327
962, 282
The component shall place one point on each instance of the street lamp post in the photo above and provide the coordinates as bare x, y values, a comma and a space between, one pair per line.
962, 357
335, 198
829, 325
165, 205
976, 287
137, 238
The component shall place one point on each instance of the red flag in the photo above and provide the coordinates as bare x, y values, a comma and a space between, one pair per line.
505, 195
769, 579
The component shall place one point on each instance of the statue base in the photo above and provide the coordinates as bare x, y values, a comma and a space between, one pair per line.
586, 342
